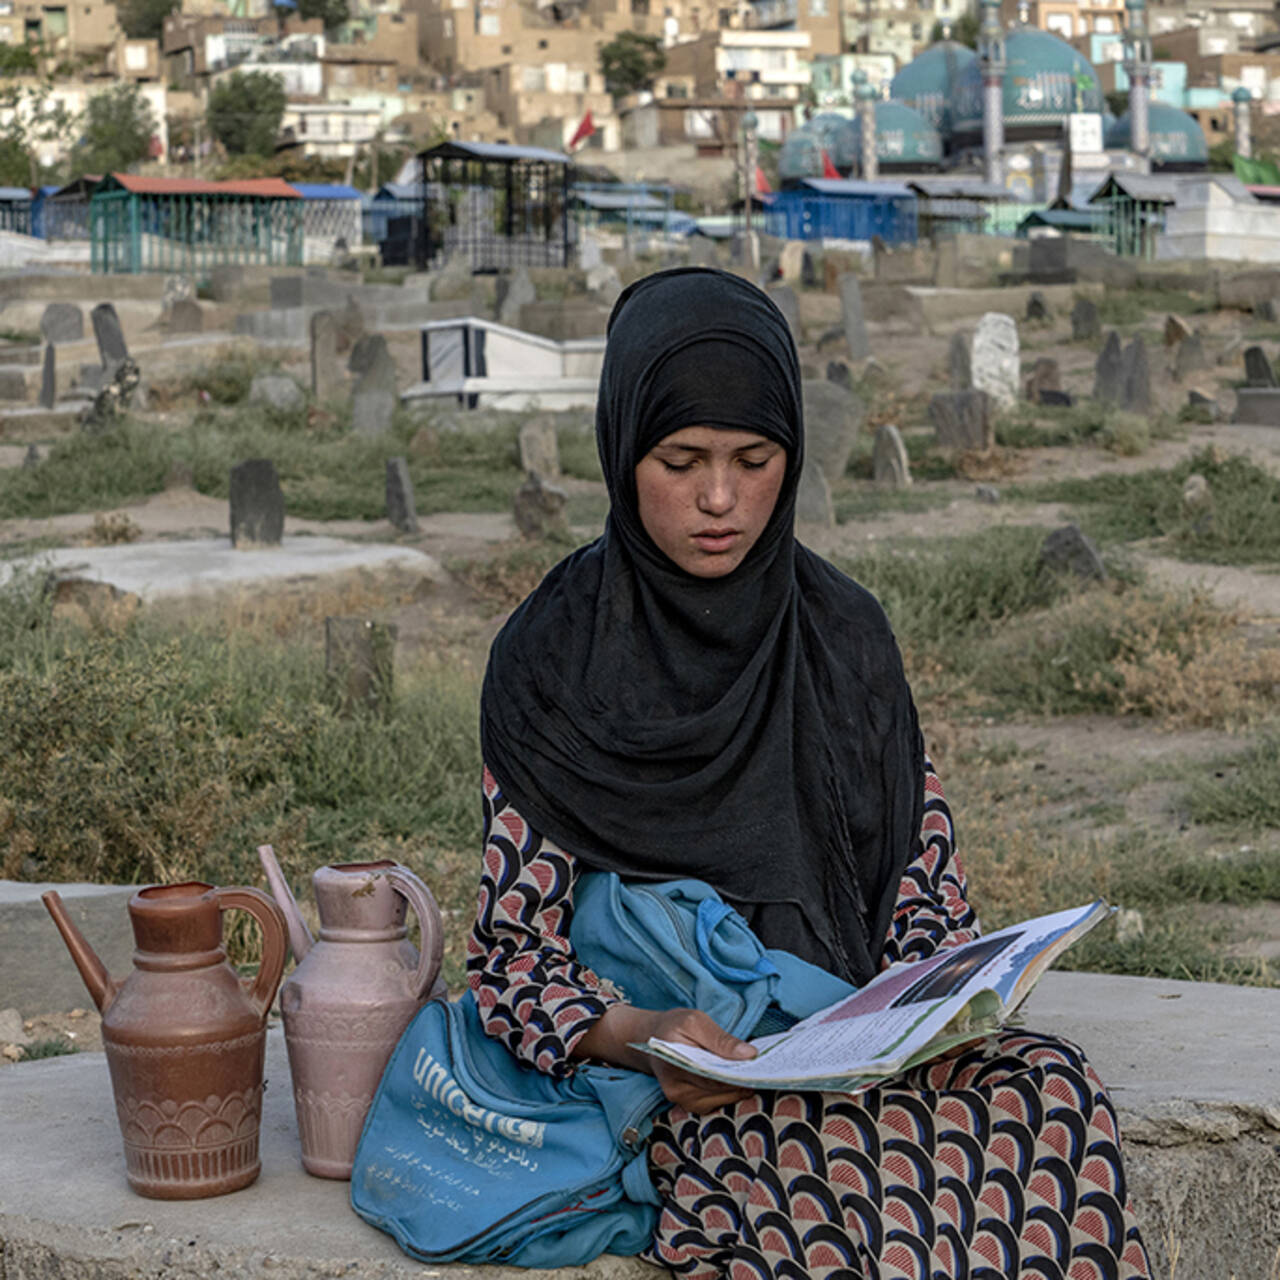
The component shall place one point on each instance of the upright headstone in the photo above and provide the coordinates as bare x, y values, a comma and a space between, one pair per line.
791, 261
49, 378
1108, 373
539, 508
604, 284
854, 318
1267, 310
1258, 370
1176, 330
959, 363
1045, 376
401, 510
1038, 308
112, 347
373, 402
539, 447
514, 292
996, 364
1069, 550
359, 662
702, 252
257, 505
1136, 397
1048, 256
185, 316
277, 390
784, 298
963, 420
810, 270
326, 372
838, 371
832, 419
62, 322
31, 459
890, 467
350, 325
1191, 357
1086, 323
813, 497
1259, 406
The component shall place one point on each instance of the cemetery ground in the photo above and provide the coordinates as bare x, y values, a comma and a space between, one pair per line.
1116, 738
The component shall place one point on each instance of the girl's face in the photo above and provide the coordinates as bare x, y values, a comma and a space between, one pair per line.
706, 495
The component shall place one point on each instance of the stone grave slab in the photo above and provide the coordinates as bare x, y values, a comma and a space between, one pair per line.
813, 497
257, 505
1191, 357
539, 508
832, 418
1069, 550
277, 390
1109, 372
1136, 397
49, 378
374, 400
854, 318
960, 363
1258, 406
539, 448
1086, 324
963, 420
326, 372
1045, 376
1258, 369
890, 466
112, 347
62, 322
401, 508
996, 363
784, 298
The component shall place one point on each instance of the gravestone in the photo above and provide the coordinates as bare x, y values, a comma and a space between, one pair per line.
604, 284
401, 510
186, 316
1197, 502
1136, 397
373, 402
810, 271
62, 322
1108, 373
831, 340
590, 253
1231, 348
1199, 399
454, 282
791, 261
996, 366
853, 317
702, 252
838, 372
963, 420
350, 325
1048, 256
832, 419
1045, 376
987, 494
112, 348
49, 378
1267, 311
1258, 370
326, 372
365, 353
1086, 323
539, 508
1258, 406
1038, 308
176, 289
257, 505
784, 298
1176, 330
539, 448
514, 291
890, 467
959, 363
1054, 396
277, 390
813, 497
1068, 550
359, 664
31, 459
1191, 357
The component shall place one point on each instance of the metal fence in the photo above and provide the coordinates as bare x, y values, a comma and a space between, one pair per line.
133, 232
15, 212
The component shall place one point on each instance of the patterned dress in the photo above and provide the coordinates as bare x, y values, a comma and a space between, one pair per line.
999, 1164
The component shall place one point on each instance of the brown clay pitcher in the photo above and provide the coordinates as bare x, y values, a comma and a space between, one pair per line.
353, 993
185, 1037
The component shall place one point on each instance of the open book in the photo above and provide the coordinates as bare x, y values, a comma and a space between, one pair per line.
904, 1016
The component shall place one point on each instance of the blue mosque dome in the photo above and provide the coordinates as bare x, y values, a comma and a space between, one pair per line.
926, 84
1177, 141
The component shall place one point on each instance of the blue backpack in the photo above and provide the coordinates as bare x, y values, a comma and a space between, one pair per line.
468, 1155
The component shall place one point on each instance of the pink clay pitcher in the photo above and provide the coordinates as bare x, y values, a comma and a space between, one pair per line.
353, 993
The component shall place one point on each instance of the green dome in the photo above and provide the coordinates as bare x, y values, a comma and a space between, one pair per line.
903, 137
800, 156
927, 83
1176, 137
1045, 80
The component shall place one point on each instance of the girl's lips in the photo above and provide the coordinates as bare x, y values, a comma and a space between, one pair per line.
716, 539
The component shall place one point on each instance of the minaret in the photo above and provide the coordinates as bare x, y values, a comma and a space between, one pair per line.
1240, 100
1137, 66
865, 97
992, 61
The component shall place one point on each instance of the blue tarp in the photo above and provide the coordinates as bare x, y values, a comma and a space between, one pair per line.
325, 191
832, 209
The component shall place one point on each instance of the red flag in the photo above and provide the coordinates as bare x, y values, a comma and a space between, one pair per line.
828, 169
762, 183
583, 131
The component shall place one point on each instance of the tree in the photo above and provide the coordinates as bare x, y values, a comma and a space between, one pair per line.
144, 19
1117, 102
31, 117
333, 13
964, 30
245, 112
116, 132
630, 61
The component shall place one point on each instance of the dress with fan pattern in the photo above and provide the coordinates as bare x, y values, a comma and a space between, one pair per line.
1002, 1163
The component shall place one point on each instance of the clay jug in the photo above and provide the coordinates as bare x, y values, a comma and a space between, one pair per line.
353, 993
185, 1037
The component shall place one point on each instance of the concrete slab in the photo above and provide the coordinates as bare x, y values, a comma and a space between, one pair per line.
159, 569
1192, 1068
36, 972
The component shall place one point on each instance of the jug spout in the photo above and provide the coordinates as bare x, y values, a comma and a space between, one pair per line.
102, 987
300, 938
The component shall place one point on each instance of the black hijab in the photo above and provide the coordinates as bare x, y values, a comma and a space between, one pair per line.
754, 731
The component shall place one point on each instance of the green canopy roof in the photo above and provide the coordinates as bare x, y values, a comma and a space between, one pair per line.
1044, 82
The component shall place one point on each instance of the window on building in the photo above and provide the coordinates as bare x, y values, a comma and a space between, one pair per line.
506, 48
817, 8
490, 25
1104, 25
917, 31
677, 90
640, 7
726, 18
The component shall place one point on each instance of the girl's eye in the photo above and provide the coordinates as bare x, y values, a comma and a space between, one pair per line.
754, 466
675, 466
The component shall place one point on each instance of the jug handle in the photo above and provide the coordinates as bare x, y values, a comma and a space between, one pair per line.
421, 899
265, 910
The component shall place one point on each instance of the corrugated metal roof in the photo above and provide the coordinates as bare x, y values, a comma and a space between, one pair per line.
494, 151
857, 187
618, 200
1138, 186
959, 188
1065, 219
272, 188
15, 193
325, 191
